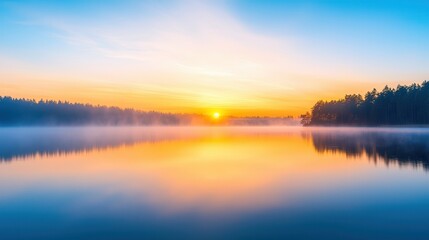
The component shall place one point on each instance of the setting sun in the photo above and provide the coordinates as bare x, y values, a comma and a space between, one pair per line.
216, 115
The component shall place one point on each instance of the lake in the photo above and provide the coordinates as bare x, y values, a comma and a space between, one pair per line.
214, 183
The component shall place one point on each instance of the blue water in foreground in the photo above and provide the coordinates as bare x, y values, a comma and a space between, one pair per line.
214, 183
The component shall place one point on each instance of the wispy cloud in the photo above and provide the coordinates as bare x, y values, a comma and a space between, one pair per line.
193, 55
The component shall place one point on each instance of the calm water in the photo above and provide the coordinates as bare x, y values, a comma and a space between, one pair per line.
214, 183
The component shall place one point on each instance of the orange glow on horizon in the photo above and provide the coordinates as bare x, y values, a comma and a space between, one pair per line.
216, 115
175, 102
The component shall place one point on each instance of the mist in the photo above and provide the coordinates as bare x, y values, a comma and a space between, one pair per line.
24, 112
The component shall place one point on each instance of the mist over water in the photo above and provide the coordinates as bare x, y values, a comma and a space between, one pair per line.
214, 183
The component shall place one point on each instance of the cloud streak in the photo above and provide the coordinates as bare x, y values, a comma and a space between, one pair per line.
187, 56
196, 45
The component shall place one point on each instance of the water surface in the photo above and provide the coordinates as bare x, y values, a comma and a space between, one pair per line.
214, 183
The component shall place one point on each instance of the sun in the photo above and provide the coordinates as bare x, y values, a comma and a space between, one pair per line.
216, 115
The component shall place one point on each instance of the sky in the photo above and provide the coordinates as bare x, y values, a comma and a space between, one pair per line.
235, 57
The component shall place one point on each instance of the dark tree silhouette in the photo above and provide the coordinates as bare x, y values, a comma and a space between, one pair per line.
404, 105
24, 112
17, 112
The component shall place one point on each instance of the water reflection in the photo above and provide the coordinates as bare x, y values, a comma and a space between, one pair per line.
211, 183
392, 146
21, 143
397, 146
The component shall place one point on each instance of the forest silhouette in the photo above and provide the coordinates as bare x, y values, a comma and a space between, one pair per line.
17, 112
405, 105
25, 112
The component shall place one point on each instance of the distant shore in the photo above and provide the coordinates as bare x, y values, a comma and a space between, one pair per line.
26, 112
403, 106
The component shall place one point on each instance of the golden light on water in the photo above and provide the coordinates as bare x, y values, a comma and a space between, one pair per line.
210, 169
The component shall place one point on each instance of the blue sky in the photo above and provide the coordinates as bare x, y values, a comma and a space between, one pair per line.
236, 57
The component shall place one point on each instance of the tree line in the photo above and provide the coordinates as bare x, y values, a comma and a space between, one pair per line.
26, 112
17, 112
405, 105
